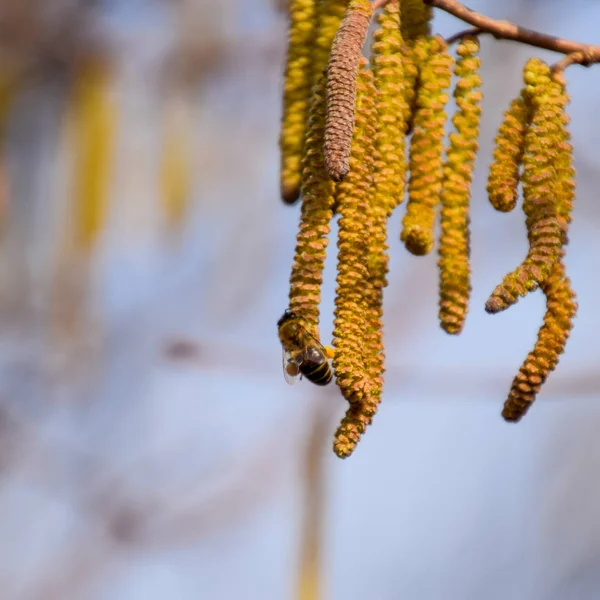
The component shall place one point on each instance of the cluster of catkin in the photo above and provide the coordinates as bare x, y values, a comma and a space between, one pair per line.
359, 134
533, 148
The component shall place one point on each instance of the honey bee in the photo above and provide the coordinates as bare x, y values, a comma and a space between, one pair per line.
302, 353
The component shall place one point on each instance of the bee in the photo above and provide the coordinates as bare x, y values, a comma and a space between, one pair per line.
302, 353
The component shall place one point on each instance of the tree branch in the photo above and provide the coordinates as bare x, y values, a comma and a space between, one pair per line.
585, 54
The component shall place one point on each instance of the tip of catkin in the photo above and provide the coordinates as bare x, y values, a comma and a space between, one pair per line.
494, 305
337, 169
512, 417
290, 194
418, 241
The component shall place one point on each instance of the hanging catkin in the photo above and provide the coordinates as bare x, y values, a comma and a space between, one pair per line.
454, 250
504, 174
316, 214
561, 308
296, 95
353, 204
330, 14
388, 69
542, 188
427, 146
346, 53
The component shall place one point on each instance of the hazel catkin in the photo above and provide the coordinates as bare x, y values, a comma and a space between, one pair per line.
561, 308
363, 405
330, 14
454, 249
341, 86
316, 215
353, 205
427, 146
541, 187
504, 173
388, 69
298, 80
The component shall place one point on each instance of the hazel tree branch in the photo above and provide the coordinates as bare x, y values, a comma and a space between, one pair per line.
584, 54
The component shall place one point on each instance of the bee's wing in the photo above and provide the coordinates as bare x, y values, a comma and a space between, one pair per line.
291, 366
314, 354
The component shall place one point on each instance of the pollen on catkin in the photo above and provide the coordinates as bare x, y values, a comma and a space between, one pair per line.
563, 163
330, 14
561, 309
351, 429
415, 24
541, 187
360, 413
427, 145
504, 173
388, 69
316, 215
296, 95
454, 248
346, 53
353, 205
416, 19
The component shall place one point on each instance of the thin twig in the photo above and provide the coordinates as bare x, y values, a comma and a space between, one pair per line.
473, 31
577, 58
505, 30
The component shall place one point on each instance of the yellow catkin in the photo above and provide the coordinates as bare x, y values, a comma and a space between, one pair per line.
346, 53
415, 25
563, 163
388, 69
416, 19
541, 186
330, 14
296, 95
503, 178
94, 124
316, 215
361, 412
561, 308
454, 250
353, 202
427, 145
176, 168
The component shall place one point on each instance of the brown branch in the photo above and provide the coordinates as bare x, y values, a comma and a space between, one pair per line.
504, 30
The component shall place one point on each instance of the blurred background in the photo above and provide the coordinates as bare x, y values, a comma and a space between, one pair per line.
149, 446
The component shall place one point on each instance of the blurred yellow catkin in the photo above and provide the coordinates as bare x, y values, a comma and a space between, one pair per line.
176, 168
9, 84
93, 120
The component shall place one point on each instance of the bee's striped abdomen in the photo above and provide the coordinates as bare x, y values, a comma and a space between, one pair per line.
318, 373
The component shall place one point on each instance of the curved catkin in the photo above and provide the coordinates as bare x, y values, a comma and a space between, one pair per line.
353, 205
346, 53
316, 215
427, 146
541, 187
503, 178
296, 96
388, 69
454, 250
330, 14
351, 429
561, 308
360, 414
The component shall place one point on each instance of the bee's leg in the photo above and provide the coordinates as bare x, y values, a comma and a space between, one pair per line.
329, 351
292, 369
